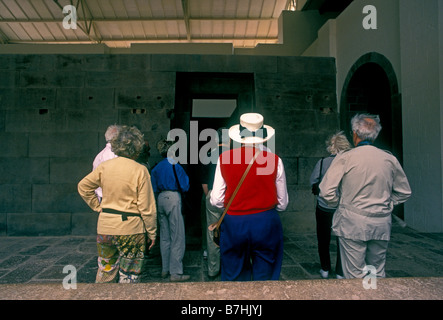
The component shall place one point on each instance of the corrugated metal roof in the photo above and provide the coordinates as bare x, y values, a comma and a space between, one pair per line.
118, 23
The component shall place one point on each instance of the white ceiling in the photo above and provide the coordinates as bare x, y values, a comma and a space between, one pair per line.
118, 23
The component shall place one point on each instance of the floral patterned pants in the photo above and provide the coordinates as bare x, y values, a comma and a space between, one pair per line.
120, 255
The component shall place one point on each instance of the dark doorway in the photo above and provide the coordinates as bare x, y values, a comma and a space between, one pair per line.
222, 98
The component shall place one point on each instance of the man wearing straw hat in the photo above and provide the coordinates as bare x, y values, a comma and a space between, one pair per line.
251, 243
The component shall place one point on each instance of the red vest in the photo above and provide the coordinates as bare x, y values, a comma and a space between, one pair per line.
258, 192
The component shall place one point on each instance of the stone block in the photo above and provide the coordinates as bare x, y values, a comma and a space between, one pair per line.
290, 121
80, 120
116, 62
8, 97
68, 170
36, 98
14, 144
39, 224
294, 144
187, 63
93, 62
135, 78
69, 61
281, 101
249, 64
35, 120
84, 223
57, 198
86, 98
9, 79
39, 79
36, 62
15, 198
213, 63
145, 98
316, 65
130, 62
154, 124
282, 82
98, 98
7, 62
24, 170
69, 98
327, 122
65, 145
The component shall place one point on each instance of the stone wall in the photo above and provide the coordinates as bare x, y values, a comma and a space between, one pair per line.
54, 110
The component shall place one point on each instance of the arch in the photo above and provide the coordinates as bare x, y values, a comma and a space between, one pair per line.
371, 86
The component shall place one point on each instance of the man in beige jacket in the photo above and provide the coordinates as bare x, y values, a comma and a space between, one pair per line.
370, 183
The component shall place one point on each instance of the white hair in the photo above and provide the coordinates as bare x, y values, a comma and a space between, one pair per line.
366, 126
111, 132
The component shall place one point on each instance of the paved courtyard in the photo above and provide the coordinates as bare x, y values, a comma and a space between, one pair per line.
42, 259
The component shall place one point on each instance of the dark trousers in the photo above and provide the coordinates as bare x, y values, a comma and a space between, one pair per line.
251, 247
324, 224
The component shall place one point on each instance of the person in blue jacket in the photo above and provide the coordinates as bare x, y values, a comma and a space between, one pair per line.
167, 186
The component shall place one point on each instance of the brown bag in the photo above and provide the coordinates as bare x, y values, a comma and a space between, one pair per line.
215, 227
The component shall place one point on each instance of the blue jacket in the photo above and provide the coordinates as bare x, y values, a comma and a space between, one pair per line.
163, 179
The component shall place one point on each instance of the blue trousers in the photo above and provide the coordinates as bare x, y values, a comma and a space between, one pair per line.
251, 247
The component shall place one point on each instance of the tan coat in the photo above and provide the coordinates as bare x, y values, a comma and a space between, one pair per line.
371, 182
126, 187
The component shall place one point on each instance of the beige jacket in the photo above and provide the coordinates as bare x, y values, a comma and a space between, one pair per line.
371, 182
126, 187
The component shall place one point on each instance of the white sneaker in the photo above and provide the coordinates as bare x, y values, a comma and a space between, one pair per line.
324, 274
340, 277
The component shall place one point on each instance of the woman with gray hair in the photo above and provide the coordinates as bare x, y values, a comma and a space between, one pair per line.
334, 145
127, 212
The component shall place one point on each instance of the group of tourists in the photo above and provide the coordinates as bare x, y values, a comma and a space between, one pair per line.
356, 189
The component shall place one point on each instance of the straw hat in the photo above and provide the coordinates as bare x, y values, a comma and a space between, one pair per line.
251, 129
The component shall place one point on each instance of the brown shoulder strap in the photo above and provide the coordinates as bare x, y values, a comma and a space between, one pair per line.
216, 225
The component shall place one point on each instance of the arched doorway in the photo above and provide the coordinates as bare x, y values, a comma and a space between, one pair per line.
371, 87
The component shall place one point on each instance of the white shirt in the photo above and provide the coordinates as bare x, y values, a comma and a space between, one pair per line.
105, 154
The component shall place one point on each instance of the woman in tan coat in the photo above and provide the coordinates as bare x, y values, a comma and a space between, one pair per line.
127, 212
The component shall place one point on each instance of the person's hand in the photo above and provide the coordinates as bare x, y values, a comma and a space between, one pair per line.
152, 243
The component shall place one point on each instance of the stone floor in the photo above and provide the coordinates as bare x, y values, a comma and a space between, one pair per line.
34, 260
